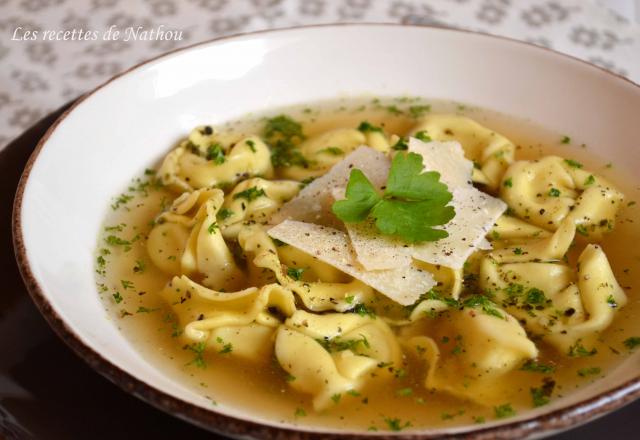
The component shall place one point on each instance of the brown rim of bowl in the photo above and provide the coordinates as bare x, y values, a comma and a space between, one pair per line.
562, 418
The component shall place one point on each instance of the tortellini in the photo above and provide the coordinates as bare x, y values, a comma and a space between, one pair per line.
535, 282
186, 168
245, 319
553, 302
187, 240
328, 355
316, 296
490, 151
545, 192
253, 201
467, 351
330, 147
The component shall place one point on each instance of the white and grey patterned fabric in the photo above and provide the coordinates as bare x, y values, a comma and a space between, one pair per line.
38, 76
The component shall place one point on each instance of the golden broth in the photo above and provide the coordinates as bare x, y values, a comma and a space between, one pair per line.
128, 282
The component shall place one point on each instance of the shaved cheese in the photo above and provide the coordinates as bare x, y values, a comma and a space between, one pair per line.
476, 213
313, 203
403, 285
447, 158
376, 251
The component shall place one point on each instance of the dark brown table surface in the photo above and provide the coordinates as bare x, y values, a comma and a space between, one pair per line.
47, 392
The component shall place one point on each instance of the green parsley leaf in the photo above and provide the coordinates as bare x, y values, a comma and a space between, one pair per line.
212, 228
117, 297
413, 201
406, 180
300, 412
361, 197
508, 183
589, 180
565, 140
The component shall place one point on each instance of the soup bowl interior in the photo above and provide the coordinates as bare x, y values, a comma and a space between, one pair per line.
129, 123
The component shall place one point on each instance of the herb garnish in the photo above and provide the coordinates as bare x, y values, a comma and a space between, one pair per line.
250, 194
632, 342
295, 272
413, 201
578, 350
333, 151
224, 214
367, 127
591, 371
537, 367
396, 424
283, 134
573, 163
423, 136
215, 153
503, 411
198, 349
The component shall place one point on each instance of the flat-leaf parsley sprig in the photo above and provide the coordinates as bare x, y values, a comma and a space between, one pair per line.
413, 201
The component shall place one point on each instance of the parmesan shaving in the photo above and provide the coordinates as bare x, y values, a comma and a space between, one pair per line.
403, 285
476, 213
313, 203
447, 158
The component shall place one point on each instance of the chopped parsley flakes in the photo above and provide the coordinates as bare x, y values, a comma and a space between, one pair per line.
504, 411
572, 163
198, 350
295, 272
250, 194
632, 342
367, 127
283, 134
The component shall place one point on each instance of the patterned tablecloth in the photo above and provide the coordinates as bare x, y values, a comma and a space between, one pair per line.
51, 51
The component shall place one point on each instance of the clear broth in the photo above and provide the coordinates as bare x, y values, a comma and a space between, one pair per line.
148, 324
